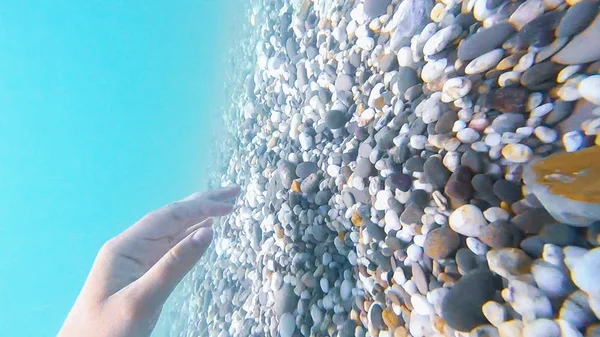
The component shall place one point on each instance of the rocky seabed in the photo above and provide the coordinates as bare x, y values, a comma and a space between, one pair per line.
410, 168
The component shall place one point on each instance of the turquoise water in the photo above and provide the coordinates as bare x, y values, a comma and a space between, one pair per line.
107, 110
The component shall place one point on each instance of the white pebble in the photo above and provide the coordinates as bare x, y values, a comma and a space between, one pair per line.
433, 69
495, 213
476, 246
525, 62
418, 142
456, 88
589, 89
414, 252
287, 325
467, 220
459, 125
366, 43
541, 327
533, 101
572, 141
546, 134
467, 135
542, 110
586, 272
493, 139
517, 153
509, 78
324, 285
494, 312
567, 72
484, 62
420, 304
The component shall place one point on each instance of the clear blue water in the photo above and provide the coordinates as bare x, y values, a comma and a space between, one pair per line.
107, 110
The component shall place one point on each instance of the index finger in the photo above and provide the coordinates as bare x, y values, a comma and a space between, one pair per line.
178, 216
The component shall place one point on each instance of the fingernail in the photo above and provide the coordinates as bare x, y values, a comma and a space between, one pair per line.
203, 236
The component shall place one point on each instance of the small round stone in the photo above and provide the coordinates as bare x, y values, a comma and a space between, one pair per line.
467, 220
508, 262
517, 153
440, 243
586, 272
589, 89
287, 325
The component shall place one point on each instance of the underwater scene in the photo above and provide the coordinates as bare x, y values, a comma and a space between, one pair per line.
408, 168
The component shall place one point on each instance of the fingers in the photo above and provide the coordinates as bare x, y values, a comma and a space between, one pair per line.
155, 286
206, 223
223, 194
179, 216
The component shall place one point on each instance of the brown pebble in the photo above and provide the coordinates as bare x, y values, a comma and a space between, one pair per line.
441, 242
509, 99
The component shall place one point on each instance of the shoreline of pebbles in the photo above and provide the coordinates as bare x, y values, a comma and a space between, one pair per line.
383, 147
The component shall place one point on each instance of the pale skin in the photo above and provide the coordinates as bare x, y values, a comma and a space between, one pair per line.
135, 272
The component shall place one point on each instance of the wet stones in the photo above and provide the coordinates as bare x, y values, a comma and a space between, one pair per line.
459, 185
375, 8
508, 262
335, 119
285, 300
509, 99
571, 199
305, 169
539, 74
461, 307
485, 41
441, 39
407, 77
581, 49
577, 18
467, 220
441, 243
399, 181
436, 173
507, 191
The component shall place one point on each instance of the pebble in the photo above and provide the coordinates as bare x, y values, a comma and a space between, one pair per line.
581, 49
589, 89
508, 262
454, 89
494, 312
542, 328
527, 300
436, 173
572, 141
467, 220
485, 41
374, 8
366, 43
512, 328
586, 272
517, 153
287, 325
498, 234
441, 243
484, 62
461, 307
440, 39
496, 213
550, 279
577, 18
526, 12
335, 119
476, 246
546, 134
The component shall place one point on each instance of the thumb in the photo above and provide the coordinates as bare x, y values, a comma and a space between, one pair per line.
155, 286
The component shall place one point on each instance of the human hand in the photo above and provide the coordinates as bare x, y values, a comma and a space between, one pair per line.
135, 272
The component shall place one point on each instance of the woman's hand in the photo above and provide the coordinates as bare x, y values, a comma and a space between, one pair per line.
135, 272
